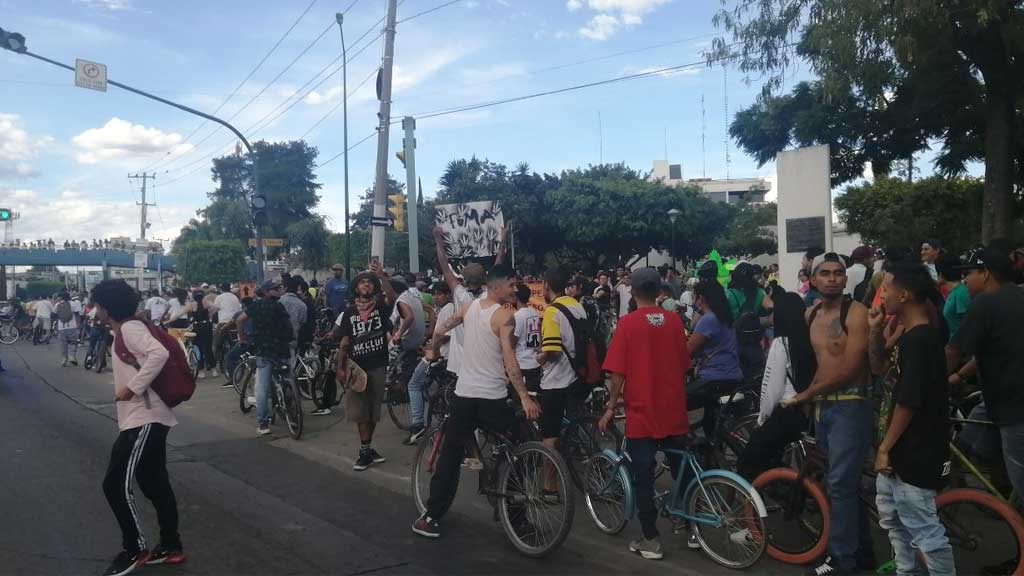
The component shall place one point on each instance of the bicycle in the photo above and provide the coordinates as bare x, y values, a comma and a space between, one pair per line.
307, 368
800, 524
241, 376
580, 438
185, 337
512, 477
284, 397
396, 392
321, 386
725, 512
736, 418
9, 332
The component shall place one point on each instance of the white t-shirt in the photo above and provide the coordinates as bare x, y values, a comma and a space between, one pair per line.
157, 307
176, 310
73, 322
462, 298
854, 276
444, 315
414, 338
227, 305
44, 309
527, 337
777, 384
625, 294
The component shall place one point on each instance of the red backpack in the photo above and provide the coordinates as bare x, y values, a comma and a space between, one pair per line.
174, 383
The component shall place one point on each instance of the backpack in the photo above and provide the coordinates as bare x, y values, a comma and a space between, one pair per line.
64, 313
844, 311
584, 359
860, 290
174, 383
748, 326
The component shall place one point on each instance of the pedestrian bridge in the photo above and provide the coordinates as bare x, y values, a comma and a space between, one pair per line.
101, 258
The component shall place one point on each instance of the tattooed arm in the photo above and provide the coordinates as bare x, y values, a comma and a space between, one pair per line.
506, 331
877, 354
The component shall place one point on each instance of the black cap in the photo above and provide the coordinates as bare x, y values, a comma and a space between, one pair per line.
987, 258
646, 278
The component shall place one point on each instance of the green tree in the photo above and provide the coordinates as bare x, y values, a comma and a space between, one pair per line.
892, 212
751, 231
213, 262
949, 67
310, 239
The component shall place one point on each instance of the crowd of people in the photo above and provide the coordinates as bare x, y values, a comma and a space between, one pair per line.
94, 244
865, 353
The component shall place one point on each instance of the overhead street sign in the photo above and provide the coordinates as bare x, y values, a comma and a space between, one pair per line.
91, 75
141, 259
268, 242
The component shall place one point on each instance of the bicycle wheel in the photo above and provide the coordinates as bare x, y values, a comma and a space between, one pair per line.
798, 521
291, 406
239, 377
9, 333
577, 447
306, 370
398, 407
193, 361
738, 541
537, 522
987, 535
246, 389
605, 494
428, 452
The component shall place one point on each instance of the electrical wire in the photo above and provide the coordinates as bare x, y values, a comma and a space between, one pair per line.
429, 10
338, 105
350, 148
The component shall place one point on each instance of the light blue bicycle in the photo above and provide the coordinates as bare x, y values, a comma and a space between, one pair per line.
725, 513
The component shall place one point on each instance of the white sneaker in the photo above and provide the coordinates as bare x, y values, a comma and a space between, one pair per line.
251, 400
202, 374
214, 373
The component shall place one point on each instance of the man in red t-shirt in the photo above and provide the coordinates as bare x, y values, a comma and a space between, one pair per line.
649, 358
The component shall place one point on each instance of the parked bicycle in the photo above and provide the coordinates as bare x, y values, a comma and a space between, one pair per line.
396, 392
725, 513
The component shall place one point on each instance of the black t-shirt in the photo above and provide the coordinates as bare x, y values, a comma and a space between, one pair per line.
922, 452
993, 332
369, 338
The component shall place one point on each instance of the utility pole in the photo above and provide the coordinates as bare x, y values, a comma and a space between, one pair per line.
380, 192
143, 224
411, 206
344, 108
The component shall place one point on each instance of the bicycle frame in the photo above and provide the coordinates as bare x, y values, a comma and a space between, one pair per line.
964, 460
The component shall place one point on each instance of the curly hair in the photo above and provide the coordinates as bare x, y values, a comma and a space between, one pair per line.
116, 297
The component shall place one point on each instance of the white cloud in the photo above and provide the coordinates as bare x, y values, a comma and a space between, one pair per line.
612, 15
419, 71
119, 139
600, 27
17, 148
112, 5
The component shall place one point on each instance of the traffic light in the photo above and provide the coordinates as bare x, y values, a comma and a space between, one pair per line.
258, 204
5, 214
12, 41
398, 211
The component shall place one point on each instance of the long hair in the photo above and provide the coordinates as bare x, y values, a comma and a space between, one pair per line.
714, 295
790, 324
182, 295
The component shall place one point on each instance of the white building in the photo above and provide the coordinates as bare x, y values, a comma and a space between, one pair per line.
731, 191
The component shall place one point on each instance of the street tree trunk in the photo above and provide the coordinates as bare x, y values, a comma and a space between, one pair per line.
997, 210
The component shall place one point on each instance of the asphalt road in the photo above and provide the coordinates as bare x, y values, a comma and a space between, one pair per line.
248, 505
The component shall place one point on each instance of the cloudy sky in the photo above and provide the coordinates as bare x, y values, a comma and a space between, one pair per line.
66, 152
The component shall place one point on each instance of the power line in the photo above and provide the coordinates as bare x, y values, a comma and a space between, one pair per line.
340, 102
350, 148
429, 10
649, 73
248, 76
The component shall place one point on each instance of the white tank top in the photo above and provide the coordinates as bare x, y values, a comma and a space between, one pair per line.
482, 374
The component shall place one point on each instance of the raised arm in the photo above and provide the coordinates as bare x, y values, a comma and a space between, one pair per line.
499, 258
506, 324
454, 321
442, 259
876, 342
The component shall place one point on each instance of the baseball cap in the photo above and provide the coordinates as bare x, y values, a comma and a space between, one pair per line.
827, 257
986, 258
337, 267
269, 285
708, 269
646, 278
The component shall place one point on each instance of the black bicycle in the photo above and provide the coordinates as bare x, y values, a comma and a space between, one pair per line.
526, 483
284, 397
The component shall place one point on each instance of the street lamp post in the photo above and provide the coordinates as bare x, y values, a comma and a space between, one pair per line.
673, 215
16, 43
344, 113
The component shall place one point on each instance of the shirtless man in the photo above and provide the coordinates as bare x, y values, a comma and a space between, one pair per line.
839, 335
481, 392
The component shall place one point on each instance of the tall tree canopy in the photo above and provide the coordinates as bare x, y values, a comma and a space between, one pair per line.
894, 77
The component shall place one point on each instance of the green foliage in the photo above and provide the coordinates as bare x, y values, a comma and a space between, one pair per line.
892, 212
748, 234
895, 78
310, 237
213, 262
40, 289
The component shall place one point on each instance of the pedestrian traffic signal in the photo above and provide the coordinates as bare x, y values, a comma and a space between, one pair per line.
398, 211
5, 214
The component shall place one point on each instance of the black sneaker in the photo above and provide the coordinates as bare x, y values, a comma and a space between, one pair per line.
414, 435
426, 527
826, 568
73, 362
126, 562
166, 555
377, 458
364, 461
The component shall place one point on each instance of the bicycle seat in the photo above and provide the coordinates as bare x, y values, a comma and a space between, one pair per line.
731, 398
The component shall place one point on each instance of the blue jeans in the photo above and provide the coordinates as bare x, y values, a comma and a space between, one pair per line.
1013, 454
418, 393
642, 452
844, 433
908, 513
264, 368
